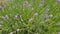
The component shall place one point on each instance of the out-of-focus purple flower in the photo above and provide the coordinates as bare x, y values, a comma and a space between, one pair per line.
16, 16
35, 14
5, 2
0, 7
58, 32
58, 0
5, 17
41, 4
47, 9
26, 4
30, 20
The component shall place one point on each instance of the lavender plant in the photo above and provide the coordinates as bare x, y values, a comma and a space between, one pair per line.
30, 17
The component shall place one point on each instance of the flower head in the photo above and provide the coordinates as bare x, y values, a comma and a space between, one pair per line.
5, 17
31, 19
16, 16
35, 14
26, 4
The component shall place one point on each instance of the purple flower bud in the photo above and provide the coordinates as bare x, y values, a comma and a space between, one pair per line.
16, 16
58, 32
26, 4
31, 19
5, 17
5, 2
35, 14
41, 3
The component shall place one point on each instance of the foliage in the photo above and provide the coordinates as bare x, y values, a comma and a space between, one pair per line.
30, 17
